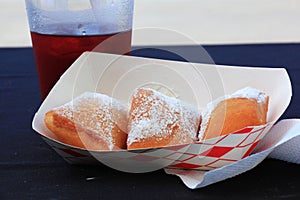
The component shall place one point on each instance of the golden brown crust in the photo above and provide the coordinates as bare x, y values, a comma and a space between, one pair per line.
63, 129
163, 124
83, 124
234, 114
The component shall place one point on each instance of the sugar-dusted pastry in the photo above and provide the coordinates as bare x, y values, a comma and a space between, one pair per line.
157, 120
92, 121
246, 107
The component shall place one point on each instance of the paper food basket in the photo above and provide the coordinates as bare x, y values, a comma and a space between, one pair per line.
198, 84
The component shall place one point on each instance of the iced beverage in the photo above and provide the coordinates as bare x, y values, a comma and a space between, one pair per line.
55, 53
61, 32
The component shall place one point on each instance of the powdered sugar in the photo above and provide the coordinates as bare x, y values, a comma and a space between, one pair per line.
250, 93
247, 92
97, 113
156, 115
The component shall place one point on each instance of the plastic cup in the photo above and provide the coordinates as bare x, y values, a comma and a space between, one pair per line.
61, 30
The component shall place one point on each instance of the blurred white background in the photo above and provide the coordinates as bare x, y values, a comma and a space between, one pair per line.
205, 21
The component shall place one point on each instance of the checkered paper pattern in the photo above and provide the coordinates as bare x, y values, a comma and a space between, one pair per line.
223, 150
205, 155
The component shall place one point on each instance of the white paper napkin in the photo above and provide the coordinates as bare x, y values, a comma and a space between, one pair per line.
282, 142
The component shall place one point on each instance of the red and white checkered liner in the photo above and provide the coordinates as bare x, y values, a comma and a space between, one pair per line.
205, 155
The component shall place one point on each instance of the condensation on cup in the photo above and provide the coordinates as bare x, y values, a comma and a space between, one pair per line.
61, 30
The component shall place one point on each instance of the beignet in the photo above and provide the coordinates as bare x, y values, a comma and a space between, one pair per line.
246, 107
157, 120
92, 121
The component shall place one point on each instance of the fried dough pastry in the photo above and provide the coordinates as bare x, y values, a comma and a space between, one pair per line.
156, 120
91, 121
246, 107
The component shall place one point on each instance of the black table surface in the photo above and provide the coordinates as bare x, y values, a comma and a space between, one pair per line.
30, 169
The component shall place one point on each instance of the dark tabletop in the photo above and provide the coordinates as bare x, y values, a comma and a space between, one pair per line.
30, 169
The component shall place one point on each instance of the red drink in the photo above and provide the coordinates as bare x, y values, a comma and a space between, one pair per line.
55, 53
